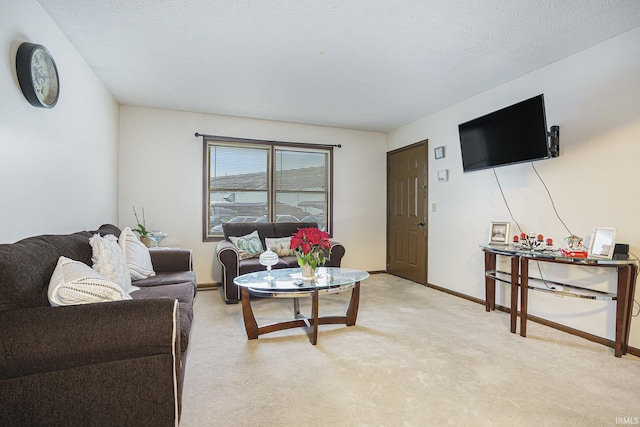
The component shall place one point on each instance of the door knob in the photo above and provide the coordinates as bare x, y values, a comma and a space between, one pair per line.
420, 224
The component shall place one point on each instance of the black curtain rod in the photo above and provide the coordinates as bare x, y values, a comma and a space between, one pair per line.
264, 141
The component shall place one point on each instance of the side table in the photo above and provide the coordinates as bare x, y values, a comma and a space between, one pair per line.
520, 280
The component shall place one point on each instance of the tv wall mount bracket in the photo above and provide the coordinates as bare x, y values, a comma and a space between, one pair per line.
554, 141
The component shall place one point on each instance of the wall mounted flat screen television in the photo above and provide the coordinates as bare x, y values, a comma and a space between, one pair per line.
514, 134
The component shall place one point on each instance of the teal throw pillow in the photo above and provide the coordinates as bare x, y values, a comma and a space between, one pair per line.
248, 246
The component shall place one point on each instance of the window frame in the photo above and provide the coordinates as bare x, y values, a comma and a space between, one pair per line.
272, 146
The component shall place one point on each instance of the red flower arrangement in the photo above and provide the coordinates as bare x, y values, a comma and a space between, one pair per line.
311, 246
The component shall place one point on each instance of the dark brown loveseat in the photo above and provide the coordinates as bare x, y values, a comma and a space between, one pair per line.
233, 266
115, 363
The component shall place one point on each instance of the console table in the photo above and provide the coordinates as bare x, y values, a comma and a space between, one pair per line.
519, 279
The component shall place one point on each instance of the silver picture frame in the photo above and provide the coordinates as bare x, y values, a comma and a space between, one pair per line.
499, 233
603, 242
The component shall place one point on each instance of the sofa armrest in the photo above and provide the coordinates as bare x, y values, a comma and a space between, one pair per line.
171, 260
337, 252
47, 339
229, 258
227, 253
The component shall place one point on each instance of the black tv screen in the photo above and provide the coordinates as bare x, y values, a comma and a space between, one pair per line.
514, 134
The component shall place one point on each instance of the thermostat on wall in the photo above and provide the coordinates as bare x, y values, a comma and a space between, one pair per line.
443, 175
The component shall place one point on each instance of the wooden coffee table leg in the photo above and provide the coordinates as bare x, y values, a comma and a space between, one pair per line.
352, 310
314, 317
250, 324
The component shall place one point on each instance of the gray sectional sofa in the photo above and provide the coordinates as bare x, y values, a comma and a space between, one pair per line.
104, 364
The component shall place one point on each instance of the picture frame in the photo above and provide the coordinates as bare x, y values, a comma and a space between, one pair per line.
438, 152
603, 242
499, 233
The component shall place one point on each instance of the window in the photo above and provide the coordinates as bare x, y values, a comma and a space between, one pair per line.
260, 181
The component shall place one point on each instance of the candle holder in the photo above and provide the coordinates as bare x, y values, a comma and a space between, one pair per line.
532, 241
268, 258
574, 243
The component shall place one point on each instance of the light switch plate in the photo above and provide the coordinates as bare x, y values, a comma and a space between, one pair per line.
443, 175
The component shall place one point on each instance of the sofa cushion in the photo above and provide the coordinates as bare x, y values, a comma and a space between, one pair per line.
136, 255
108, 260
280, 245
183, 292
290, 261
249, 246
26, 266
161, 279
74, 282
253, 264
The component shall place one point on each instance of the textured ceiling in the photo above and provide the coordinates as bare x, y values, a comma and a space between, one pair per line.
360, 64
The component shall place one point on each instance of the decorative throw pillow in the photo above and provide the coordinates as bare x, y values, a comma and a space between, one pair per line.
136, 255
280, 245
109, 261
74, 282
249, 246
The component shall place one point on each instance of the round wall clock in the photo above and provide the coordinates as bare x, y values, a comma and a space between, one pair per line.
37, 75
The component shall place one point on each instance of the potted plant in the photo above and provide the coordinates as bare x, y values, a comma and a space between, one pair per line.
311, 246
141, 229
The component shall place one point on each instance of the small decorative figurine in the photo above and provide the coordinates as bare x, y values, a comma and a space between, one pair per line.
575, 248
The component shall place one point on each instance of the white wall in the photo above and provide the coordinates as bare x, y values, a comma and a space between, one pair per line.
60, 173
58, 167
594, 96
161, 170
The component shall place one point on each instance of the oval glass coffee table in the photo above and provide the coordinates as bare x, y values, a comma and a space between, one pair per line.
288, 283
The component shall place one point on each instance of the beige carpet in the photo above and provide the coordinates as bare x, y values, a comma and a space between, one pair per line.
416, 357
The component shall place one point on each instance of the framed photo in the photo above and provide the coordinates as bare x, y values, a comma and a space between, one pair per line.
439, 152
603, 241
499, 233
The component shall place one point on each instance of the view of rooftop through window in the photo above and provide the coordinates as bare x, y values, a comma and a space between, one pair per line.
261, 183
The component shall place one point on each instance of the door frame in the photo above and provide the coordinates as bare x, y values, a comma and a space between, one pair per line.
424, 143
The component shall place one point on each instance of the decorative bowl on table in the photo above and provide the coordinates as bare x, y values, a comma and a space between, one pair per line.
156, 236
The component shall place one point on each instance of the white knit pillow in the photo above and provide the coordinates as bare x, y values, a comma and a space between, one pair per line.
136, 255
74, 282
109, 261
